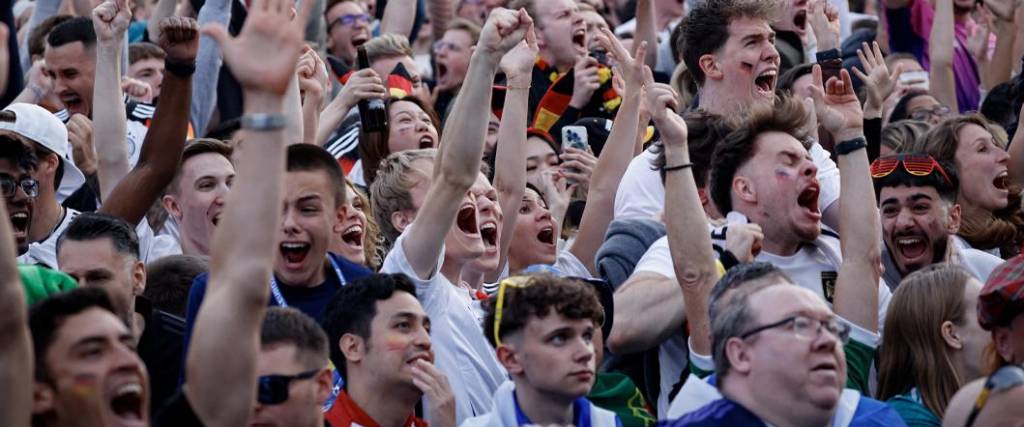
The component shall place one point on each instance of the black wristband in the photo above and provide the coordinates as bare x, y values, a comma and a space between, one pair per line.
180, 68
851, 145
828, 55
677, 167
728, 259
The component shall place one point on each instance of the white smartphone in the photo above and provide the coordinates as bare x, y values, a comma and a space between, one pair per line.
575, 137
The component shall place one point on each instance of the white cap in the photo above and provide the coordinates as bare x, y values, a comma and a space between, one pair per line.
42, 127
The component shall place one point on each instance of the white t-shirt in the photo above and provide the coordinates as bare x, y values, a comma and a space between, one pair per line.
151, 247
641, 194
460, 348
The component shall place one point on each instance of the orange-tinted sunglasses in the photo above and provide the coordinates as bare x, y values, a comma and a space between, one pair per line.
914, 164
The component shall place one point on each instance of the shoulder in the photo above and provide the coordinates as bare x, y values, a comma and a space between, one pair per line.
350, 269
718, 412
871, 412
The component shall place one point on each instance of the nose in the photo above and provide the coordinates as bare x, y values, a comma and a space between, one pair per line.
543, 215
904, 220
584, 352
422, 125
288, 223
422, 339
769, 53
1003, 156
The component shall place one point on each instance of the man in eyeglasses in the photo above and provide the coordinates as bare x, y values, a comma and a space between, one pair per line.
348, 26
19, 189
917, 202
294, 378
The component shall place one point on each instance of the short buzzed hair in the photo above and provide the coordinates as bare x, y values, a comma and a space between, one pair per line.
141, 51
285, 325
387, 46
73, 30
706, 27
194, 148
309, 158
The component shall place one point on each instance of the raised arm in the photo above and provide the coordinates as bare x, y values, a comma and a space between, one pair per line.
110, 125
689, 241
165, 140
222, 389
856, 297
15, 342
440, 14
163, 9
313, 86
1016, 150
399, 17
43, 9
363, 84
941, 81
615, 156
510, 159
646, 31
208, 63
458, 161
1000, 68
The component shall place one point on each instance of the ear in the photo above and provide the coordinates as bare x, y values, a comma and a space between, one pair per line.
43, 398
739, 357
950, 336
509, 359
954, 219
171, 206
401, 219
1003, 342
323, 385
709, 65
339, 221
138, 278
352, 347
743, 188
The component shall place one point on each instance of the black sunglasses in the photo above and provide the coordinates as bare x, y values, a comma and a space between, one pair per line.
1003, 379
273, 389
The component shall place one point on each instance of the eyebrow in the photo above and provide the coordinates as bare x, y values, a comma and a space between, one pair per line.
913, 198
309, 198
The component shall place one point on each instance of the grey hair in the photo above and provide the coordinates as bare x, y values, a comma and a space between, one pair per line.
729, 308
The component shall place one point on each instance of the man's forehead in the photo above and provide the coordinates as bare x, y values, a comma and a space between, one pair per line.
773, 143
346, 8
93, 322
785, 298
745, 26
904, 191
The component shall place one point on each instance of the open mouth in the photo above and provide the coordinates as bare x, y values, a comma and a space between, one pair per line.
466, 220
127, 402
215, 220
294, 253
765, 82
427, 141
800, 20
353, 235
489, 233
547, 235
359, 39
70, 100
808, 199
579, 38
19, 222
442, 72
1002, 181
911, 246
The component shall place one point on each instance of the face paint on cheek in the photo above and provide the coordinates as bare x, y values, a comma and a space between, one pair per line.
782, 175
394, 343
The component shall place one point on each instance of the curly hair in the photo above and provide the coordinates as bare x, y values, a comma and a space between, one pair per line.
787, 115
540, 294
1002, 228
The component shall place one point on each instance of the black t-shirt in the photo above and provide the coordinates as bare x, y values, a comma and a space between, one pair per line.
160, 349
177, 412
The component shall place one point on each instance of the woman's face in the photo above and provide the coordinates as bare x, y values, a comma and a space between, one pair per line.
409, 128
535, 235
975, 340
982, 164
539, 158
351, 238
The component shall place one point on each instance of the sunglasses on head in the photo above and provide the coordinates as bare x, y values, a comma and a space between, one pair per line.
914, 164
273, 389
1003, 379
515, 282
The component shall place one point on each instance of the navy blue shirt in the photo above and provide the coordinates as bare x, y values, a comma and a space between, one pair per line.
725, 412
311, 301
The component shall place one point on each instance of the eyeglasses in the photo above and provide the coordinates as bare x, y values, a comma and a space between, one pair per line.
914, 164
937, 111
1003, 379
350, 20
452, 47
273, 389
807, 328
9, 187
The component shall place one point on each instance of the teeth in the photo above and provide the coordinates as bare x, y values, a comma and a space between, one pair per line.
909, 241
133, 388
20, 215
293, 245
488, 227
353, 229
769, 73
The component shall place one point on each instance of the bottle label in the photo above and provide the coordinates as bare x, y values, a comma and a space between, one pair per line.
376, 103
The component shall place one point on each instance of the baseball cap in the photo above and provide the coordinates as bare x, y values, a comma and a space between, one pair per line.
1002, 298
42, 127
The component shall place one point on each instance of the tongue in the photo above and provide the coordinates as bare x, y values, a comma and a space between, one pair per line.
293, 256
912, 251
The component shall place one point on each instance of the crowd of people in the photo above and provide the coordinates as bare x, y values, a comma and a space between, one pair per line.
607, 213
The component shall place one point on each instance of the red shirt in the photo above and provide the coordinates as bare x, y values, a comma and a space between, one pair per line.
346, 413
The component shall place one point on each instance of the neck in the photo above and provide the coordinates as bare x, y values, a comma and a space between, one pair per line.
319, 276
772, 409
775, 242
664, 20
713, 102
514, 265
47, 216
550, 60
968, 210
452, 269
388, 406
190, 245
544, 408
474, 279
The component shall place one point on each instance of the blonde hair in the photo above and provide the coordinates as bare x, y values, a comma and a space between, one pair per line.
387, 46
390, 192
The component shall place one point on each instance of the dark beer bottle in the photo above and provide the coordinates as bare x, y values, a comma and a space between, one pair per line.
371, 111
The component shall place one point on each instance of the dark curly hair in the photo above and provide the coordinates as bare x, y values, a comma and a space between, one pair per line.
706, 28
540, 294
787, 115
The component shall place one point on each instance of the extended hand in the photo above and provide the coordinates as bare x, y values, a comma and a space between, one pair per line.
627, 66
503, 30
837, 106
517, 64
663, 102
179, 37
110, 20
880, 83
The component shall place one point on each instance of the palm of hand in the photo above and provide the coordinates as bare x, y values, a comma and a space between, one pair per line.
879, 84
841, 111
271, 72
